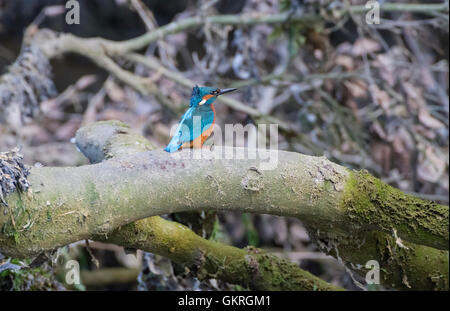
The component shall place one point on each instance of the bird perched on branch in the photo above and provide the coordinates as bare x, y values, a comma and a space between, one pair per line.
197, 123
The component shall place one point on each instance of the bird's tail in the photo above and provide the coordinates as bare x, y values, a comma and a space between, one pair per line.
174, 143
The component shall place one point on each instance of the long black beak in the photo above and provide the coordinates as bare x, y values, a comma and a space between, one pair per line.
226, 91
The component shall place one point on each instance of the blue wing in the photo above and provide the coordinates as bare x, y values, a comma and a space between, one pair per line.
175, 143
192, 124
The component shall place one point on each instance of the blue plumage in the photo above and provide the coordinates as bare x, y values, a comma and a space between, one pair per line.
198, 118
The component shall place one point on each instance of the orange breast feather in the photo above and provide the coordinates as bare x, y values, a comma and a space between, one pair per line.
199, 141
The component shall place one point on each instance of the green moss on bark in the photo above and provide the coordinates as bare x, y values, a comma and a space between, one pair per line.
252, 267
369, 201
404, 266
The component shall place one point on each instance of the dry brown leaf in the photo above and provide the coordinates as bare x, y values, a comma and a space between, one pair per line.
345, 61
428, 120
414, 96
344, 48
432, 165
406, 137
422, 130
115, 92
382, 154
85, 81
398, 144
364, 46
382, 98
357, 88
378, 129
351, 103
427, 78
386, 68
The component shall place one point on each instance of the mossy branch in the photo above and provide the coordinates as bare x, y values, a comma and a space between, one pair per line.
403, 265
252, 268
103, 197
410, 267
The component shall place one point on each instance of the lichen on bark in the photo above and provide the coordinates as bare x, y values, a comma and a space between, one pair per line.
371, 202
403, 265
105, 196
250, 267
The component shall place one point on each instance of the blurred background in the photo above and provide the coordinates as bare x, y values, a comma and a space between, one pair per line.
371, 97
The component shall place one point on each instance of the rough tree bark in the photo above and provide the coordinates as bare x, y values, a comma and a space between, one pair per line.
340, 207
252, 268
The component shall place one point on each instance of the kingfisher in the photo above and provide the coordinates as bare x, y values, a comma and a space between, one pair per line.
197, 123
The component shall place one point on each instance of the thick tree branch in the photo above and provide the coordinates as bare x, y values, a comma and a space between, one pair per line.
251, 268
403, 265
410, 267
104, 196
